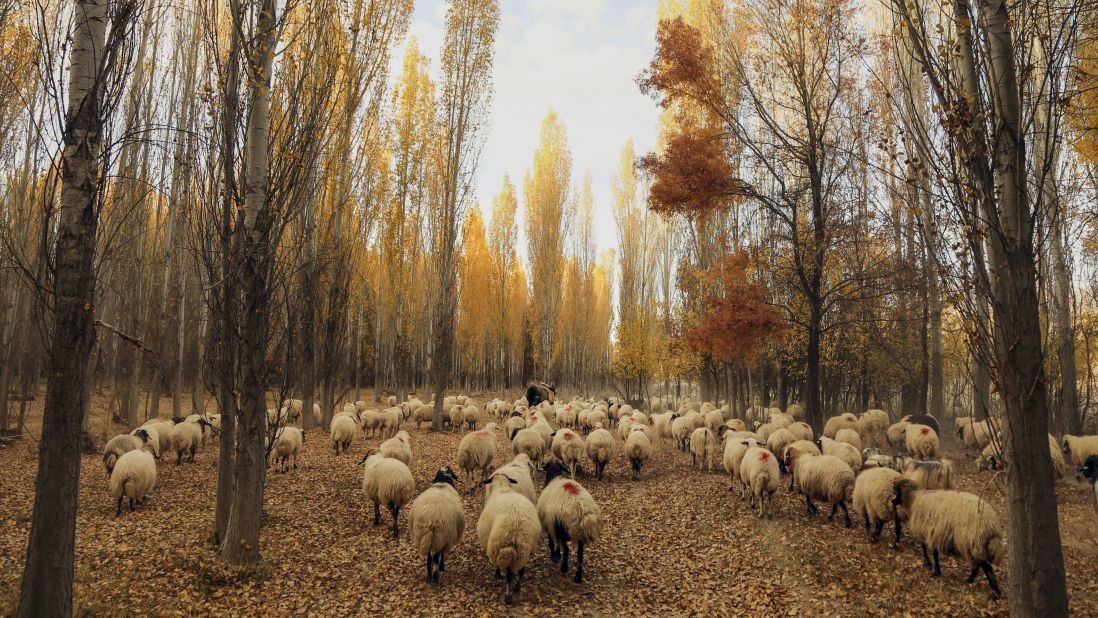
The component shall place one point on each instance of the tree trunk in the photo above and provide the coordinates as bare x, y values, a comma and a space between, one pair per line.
241, 544
48, 572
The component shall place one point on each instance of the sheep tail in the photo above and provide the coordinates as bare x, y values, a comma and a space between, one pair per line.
506, 556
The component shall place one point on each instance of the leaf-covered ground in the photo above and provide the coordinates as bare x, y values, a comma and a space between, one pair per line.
674, 543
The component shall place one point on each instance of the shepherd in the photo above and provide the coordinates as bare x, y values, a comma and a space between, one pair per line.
538, 392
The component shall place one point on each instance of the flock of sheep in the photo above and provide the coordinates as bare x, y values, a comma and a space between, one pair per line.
844, 466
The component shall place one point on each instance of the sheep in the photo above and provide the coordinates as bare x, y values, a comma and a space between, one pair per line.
638, 448
624, 427
567, 512
205, 424
921, 441
133, 477
389, 421
508, 531
703, 445
713, 420
515, 423
342, 433
423, 414
765, 429
456, 416
759, 473
568, 417
371, 423
186, 437
842, 421
803, 447
398, 447
1089, 471
162, 435
568, 447
735, 424
387, 481
661, 424
873, 458
952, 522
519, 469
476, 452
928, 474
825, 478
979, 435
795, 410
923, 419
872, 425
847, 453
539, 424
287, 444
849, 436
777, 442
122, 444
529, 442
781, 419
437, 520
1080, 448
681, 428
897, 435
600, 447
596, 417
873, 493
1059, 466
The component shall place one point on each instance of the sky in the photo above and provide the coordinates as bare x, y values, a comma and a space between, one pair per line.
577, 57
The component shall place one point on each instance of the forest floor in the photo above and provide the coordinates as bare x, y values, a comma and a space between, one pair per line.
674, 543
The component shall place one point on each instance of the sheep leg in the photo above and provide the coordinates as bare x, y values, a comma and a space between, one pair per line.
510, 579
937, 565
834, 509
564, 558
846, 515
118, 510
877, 532
395, 512
193, 449
896, 543
995, 592
811, 507
377, 513
554, 554
430, 560
926, 559
499, 575
579, 563
521, 578
178, 457
440, 559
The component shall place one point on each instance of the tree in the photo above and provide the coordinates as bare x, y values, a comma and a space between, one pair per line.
99, 59
467, 54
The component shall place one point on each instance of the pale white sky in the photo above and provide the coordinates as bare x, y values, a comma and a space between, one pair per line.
578, 57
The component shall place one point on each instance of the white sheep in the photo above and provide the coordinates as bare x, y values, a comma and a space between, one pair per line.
872, 426
1089, 472
952, 522
681, 428
825, 478
638, 448
661, 424
437, 521
760, 474
508, 531
735, 447
897, 435
735, 424
873, 493
287, 444
387, 481
456, 416
849, 436
600, 448
515, 423
343, 430
398, 447
476, 452
529, 442
567, 512
186, 438
519, 469
122, 444
928, 474
568, 447
842, 421
850, 455
133, 477
921, 441
163, 434
979, 434
423, 414
389, 421
371, 424
703, 446
778, 440
1079, 448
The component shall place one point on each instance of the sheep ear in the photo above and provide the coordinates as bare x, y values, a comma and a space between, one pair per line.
487, 481
513, 481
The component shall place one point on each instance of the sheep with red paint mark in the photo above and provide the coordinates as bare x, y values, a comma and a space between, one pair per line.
760, 474
569, 448
921, 441
567, 513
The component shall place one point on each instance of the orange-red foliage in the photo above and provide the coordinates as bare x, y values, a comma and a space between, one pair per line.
681, 66
738, 321
691, 176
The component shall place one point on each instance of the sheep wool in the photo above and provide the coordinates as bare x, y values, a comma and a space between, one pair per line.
921, 441
873, 493
638, 448
681, 428
957, 522
437, 521
928, 474
342, 432
850, 437
567, 513
1080, 448
398, 447
518, 469
661, 424
529, 442
122, 444
423, 414
760, 474
569, 448
850, 455
287, 444
133, 478
388, 482
826, 478
842, 421
476, 452
801, 430
186, 438
600, 448
508, 531
780, 439
897, 435
703, 446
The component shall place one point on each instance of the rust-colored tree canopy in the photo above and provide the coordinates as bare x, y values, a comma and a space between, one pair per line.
738, 322
691, 176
